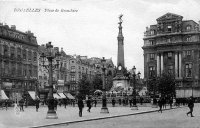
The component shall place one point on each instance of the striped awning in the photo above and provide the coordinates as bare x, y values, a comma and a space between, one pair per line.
68, 95
3, 95
56, 96
61, 95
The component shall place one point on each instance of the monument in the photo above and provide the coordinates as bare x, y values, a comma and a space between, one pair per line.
121, 82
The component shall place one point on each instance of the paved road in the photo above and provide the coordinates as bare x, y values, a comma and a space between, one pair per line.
175, 118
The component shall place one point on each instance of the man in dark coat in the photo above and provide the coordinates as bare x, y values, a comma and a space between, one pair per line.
160, 103
55, 104
21, 104
113, 102
95, 102
89, 104
6, 104
80, 106
37, 102
191, 106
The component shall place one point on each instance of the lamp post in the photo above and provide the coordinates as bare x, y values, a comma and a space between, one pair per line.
134, 107
50, 55
104, 108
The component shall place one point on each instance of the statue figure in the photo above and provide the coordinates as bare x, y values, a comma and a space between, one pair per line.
120, 19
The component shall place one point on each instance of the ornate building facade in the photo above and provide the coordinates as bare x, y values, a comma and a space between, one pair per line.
18, 62
173, 46
81, 65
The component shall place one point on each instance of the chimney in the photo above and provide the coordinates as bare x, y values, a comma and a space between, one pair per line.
147, 28
61, 49
13, 27
6, 26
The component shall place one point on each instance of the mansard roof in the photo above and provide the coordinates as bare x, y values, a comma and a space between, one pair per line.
168, 16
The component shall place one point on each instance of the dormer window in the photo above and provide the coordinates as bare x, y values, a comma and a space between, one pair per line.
152, 32
169, 28
151, 42
188, 28
188, 38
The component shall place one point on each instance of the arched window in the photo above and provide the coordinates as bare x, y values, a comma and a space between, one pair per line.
35, 57
29, 55
188, 28
12, 52
5, 50
18, 52
24, 54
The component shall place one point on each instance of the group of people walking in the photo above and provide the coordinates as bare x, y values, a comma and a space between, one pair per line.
81, 105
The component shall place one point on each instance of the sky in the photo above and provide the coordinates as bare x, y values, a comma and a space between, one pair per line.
90, 27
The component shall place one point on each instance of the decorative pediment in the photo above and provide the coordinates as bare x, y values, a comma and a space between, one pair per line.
169, 16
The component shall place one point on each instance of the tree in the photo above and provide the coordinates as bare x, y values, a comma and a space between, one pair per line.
85, 86
97, 82
166, 85
152, 86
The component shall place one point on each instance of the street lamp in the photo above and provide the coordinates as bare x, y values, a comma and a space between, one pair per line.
134, 107
104, 108
50, 55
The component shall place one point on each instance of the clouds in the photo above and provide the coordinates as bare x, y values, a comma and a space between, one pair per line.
93, 30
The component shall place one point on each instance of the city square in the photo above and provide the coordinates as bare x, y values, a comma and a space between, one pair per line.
99, 63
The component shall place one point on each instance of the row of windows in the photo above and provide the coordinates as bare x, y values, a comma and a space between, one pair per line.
169, 29
20, 54
188, 70
170, 54
170, 40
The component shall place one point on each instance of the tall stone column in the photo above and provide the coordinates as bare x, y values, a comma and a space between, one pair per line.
161, 63
176, 65
158, 65
120, 54
180, 65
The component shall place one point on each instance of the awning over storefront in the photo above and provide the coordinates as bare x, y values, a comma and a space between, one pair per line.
32, 94
68, 95
3, 95
55, 95
61, 95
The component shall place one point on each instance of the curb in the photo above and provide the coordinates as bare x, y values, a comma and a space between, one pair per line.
100, 118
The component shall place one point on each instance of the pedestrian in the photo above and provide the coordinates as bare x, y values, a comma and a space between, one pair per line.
191, 106
113, 102
141, 100
59, 102
120, 101
130, 102
170, 102
124, 102
160, 104
95, 102
89, 104
6, 104
80, 106
37, 103
55, 104
65, 102
21, 105
164, 102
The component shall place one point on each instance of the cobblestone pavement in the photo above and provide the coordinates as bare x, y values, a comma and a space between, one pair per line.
174, 118
31, 118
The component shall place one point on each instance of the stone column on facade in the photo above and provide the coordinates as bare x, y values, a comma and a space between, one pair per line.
180, 67
176, 65
158, 65
161, 63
